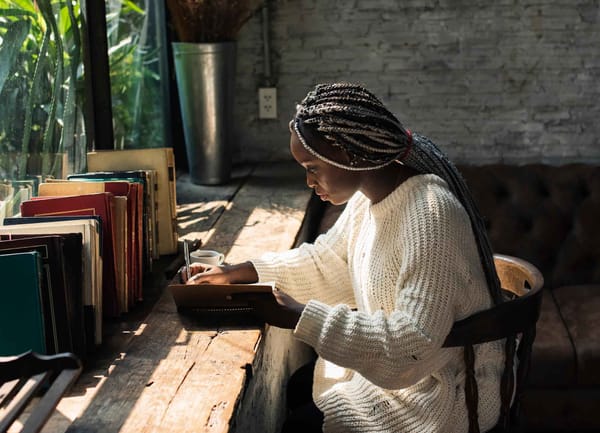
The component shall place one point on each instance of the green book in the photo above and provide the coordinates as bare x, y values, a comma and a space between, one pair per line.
21, 316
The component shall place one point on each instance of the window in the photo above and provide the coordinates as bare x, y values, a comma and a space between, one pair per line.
42, 130
138, 71
44, 127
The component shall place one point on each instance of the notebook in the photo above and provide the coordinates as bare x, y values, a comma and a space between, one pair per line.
215, 297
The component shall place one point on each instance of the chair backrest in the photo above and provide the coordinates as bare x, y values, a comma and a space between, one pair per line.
22, 378
513, 320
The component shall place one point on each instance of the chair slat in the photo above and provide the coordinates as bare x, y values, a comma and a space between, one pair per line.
8, 391
23, 376
36, 420
508, 318
21, 400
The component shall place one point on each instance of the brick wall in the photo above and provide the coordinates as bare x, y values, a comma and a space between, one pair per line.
508, 80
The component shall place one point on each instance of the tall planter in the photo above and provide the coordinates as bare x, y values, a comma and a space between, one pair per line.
205, 81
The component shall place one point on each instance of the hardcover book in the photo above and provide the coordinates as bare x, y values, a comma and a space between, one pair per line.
90, 265
62, 288
139, 257
54, 296
21, 315
124, 235
163, 161
144, 182
101, 205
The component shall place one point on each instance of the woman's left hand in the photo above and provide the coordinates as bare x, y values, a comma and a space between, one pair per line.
280, 310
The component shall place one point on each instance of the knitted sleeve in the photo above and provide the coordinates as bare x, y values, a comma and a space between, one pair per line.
314, 271
397, 349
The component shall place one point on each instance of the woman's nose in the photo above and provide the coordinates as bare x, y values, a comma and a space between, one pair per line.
310, 181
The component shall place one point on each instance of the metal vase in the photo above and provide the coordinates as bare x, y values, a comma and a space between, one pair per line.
205, 81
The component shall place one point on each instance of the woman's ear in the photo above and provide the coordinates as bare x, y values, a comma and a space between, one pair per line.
291, 125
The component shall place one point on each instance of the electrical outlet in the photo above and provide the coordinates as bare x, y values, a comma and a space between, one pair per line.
267, 103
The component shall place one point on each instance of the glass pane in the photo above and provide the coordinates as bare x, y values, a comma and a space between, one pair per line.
137, 61
41, 122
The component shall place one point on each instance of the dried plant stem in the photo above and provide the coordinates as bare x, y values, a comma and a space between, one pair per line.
210, 20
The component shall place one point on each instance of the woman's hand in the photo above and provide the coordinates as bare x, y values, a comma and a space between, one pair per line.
223, 274
279, 310
207, 274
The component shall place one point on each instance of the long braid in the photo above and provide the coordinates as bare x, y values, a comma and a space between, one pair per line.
350, 117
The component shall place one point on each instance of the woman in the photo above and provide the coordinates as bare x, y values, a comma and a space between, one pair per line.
377, 294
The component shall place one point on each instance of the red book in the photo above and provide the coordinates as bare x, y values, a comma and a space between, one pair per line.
134, 234
98, 204
129, 281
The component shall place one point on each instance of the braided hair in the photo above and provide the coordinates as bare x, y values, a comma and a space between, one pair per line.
349, 117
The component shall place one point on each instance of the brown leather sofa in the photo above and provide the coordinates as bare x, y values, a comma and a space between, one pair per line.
550, 216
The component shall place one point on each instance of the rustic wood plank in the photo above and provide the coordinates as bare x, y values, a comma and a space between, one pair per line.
266, 214
208, 396
199, 206
164, 341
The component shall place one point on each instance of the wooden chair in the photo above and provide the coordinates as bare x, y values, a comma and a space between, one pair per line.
22, 378
513, 320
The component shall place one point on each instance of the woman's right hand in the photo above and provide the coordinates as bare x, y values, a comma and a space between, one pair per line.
223, 274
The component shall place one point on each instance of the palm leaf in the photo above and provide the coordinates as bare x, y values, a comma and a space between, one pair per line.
35, 84
48, 142
15, 13
68, 135
25, 5
11, 45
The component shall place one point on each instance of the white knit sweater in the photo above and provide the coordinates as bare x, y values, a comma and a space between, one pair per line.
409, 266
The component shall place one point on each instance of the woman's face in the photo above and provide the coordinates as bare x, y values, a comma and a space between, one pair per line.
330, 183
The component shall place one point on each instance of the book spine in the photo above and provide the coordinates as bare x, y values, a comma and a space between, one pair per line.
172, 197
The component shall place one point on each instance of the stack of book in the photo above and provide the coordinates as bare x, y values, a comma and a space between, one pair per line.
13, 193
85, 243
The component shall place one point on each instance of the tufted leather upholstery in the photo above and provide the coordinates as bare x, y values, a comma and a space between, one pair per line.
549, 216
553, 210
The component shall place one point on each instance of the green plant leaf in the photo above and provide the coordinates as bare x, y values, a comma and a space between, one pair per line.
49, 145
40, 65
15, 13
24, 5
68, 132
11, 45
63, 21
132, 6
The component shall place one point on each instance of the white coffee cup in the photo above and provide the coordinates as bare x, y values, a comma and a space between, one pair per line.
207, 257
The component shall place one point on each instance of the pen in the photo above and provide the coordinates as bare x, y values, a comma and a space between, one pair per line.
186, 253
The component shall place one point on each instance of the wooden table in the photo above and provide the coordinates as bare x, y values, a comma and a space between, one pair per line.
176, 374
